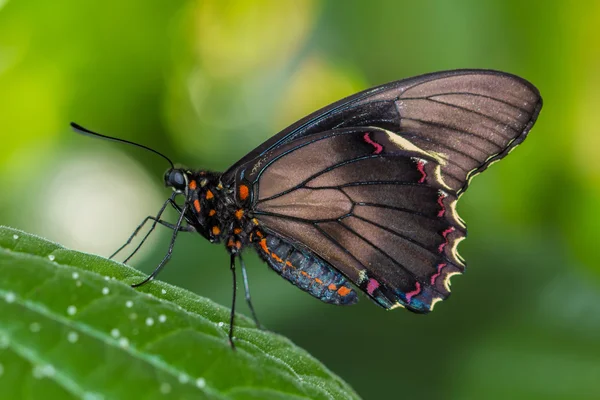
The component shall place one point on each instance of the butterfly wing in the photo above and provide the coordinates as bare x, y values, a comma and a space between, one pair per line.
468, 118
369, 184
368, 203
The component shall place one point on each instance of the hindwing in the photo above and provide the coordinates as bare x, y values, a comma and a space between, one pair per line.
368, 203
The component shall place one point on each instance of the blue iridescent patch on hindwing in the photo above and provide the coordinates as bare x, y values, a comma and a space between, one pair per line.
306, 271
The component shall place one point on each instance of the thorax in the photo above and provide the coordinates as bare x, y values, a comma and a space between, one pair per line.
215, 213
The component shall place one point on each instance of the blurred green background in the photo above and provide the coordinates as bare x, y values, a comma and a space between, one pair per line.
205, 82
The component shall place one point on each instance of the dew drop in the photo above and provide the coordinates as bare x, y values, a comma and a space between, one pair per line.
10, 297
42, 371
220, 324
115, 333
129, 304
200, 383
165, 388
105, 291
124, 342
75, 275
34, 327
149, 321
163, 291
106, 278
162, 318
15, 237
183, 378
48, 370
71, 310
72, 337
51, 257
37, 372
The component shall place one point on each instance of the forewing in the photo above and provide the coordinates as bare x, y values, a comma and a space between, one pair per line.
466, 118
370, 204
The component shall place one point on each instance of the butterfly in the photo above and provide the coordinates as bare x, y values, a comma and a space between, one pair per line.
360, 195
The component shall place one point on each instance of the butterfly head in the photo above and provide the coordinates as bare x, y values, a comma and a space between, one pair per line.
177, 179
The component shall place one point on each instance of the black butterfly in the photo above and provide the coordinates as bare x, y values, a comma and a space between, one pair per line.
362, 193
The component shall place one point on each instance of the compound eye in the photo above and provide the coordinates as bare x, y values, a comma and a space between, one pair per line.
175, 179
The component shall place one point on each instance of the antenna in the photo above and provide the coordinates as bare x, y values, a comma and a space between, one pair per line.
86, 132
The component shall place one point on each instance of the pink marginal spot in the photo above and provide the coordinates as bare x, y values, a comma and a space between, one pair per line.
421, 168
440, 201
445, 235
415, 292
438, 273
378, 147
372, 285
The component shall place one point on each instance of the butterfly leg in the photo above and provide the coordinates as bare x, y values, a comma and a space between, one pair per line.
167, 256
186, 228
140, 226
247, 291
232, 317
156, 220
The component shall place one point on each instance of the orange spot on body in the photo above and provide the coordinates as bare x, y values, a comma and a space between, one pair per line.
230, 243
193, 185
320, 282
263, 245
244, 192
238, 244
237, 231
289, 264
211, 213
259, 234
332, 287
209, 195
197, 205
239, 213
303, 273
216, 230
254, 221
276, 257
343, 291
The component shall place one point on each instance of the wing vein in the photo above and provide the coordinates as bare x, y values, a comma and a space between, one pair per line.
331, 168
339, 245
408, 211
386, 255
298, 219
489, 117
444, 126
469, 94
450, 161
408, 239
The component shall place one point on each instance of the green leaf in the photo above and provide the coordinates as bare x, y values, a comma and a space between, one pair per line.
71, 327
